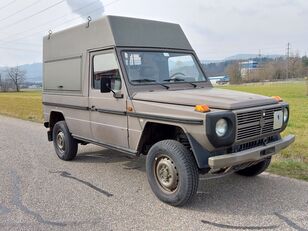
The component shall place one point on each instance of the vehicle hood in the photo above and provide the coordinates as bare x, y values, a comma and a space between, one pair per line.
213, 97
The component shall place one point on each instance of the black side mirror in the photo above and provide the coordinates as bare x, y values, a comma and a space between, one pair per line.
106, 85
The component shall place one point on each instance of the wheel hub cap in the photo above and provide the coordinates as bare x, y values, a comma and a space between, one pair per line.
60, 141
166, 174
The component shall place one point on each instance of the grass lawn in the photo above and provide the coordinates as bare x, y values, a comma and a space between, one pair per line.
292, 162
25, 105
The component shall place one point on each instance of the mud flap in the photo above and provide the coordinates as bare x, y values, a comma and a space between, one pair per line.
201, 155
49, 136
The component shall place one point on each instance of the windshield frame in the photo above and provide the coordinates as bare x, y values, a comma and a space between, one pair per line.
132, 87
164, 82
121, 50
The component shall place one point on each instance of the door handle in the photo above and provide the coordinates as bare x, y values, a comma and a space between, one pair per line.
93, 108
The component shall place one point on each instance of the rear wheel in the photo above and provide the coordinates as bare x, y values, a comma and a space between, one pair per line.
256, 169
172, 172
65, 145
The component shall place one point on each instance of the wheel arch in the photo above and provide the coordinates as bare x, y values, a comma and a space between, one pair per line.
166, 131
54, 117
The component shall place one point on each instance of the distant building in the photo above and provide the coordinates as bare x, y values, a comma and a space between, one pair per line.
219, 79
248, 67
34, 86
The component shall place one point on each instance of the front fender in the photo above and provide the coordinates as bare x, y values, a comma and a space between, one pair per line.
200, 153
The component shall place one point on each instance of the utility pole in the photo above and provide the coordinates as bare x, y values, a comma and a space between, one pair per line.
260, 54
259, 59
288, 59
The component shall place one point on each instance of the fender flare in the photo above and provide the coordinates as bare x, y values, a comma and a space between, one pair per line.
201, 154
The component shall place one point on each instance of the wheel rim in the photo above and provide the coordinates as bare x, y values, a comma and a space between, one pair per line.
60, 141
166, 174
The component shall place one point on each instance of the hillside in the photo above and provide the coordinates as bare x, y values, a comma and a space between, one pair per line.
34, 72
251, 56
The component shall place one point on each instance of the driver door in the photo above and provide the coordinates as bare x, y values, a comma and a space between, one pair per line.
108, 117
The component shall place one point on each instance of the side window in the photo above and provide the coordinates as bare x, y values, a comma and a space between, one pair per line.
106, 66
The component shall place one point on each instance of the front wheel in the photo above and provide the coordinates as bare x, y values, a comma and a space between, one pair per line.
65, 145
172, 172
256, 169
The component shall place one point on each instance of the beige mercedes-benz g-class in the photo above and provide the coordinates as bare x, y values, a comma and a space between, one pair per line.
137, 86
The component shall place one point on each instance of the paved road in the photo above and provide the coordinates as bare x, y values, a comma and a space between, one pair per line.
105, 190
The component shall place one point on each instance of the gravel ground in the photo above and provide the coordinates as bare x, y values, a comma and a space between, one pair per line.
106, 190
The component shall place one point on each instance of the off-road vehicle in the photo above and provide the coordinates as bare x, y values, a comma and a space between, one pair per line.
137, 86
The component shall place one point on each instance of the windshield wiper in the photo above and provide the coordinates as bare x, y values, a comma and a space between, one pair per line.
144, 80
180, 80
192, 84
174, 79
150, 81
163, 85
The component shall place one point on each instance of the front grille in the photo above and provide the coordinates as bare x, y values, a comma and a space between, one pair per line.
252, 144
255, 123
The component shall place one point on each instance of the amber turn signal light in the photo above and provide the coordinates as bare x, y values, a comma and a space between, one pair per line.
202, 108
277, 98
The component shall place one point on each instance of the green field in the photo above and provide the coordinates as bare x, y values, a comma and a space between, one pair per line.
292, 162
26, 105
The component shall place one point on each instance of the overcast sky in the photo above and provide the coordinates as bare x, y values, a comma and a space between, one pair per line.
215, 28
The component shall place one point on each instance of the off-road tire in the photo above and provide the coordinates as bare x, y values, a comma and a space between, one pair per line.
256, 169
70, 144
185, 166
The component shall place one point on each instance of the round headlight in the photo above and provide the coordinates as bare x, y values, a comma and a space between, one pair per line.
221, 127
285, 114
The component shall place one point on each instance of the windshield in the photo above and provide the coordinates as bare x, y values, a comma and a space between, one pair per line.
151, 67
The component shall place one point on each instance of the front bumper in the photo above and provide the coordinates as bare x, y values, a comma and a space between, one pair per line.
254, 154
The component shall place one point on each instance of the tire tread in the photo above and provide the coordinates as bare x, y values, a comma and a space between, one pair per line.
72, 144
186, 157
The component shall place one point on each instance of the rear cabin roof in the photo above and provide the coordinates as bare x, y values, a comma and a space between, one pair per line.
110, 31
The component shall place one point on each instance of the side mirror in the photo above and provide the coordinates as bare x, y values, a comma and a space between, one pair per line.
106, 85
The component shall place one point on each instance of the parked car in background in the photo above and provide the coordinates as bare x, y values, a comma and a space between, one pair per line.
219, 80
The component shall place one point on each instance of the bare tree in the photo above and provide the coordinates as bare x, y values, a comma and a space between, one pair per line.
275, 70
16, 75
234, 72
296, 67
